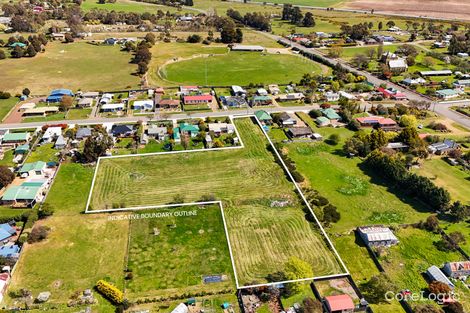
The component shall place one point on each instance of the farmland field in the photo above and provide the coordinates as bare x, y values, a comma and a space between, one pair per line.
185, 249
239, 68
313, 3
74, 66
451, 9
246, 179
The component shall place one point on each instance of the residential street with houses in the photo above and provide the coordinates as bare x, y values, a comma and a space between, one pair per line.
443, 109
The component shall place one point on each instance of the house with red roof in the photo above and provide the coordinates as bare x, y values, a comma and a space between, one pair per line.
384, 123
198, 99
392, 94
339, 304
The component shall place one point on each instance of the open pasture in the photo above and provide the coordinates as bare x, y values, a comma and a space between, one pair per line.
247, 180
73, 66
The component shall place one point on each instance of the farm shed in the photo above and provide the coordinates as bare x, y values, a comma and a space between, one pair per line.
377, 236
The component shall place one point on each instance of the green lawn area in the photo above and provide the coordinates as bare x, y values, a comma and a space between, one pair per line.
176, 260
45, 153
80, 249
8, 158
452, 178
7, 213
240, 68
6, 105
246, 179
47, 118
74, 66
77, 114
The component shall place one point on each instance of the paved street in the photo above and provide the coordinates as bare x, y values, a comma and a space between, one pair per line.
157, 116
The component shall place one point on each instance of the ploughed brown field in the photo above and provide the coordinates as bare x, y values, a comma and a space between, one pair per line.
449, 9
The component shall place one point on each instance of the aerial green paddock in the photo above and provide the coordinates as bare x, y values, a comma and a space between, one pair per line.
247, 181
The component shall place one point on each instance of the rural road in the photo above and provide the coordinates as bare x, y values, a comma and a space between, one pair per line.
440, 108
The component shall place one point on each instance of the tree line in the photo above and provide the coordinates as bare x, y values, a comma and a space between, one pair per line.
393, 169
256, 20
294, 15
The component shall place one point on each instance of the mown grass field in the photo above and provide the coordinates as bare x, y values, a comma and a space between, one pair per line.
73, 66
246, 179
240, 68
176, 260
163, 53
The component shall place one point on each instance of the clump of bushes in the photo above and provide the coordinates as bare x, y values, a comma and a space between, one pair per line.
38, 233
109, 291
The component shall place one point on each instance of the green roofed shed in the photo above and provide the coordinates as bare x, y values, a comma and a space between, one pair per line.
263, 115
330, 114
22, 149
190, 128
15, 137
15, 193
18, 44
322, 121
35, 166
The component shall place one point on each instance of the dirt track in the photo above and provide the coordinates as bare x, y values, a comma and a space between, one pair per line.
458, 9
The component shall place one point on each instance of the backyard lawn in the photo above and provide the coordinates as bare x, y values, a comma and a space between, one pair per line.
45, 153
78, 114
74, 66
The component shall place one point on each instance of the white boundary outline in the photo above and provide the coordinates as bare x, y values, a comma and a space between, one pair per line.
299, 190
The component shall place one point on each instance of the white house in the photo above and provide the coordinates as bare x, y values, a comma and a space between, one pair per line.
51, 133
331, 96
238, 91
112, 107
106, 98
143, 105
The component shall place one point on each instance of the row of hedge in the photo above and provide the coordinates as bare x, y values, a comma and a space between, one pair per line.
414, 185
